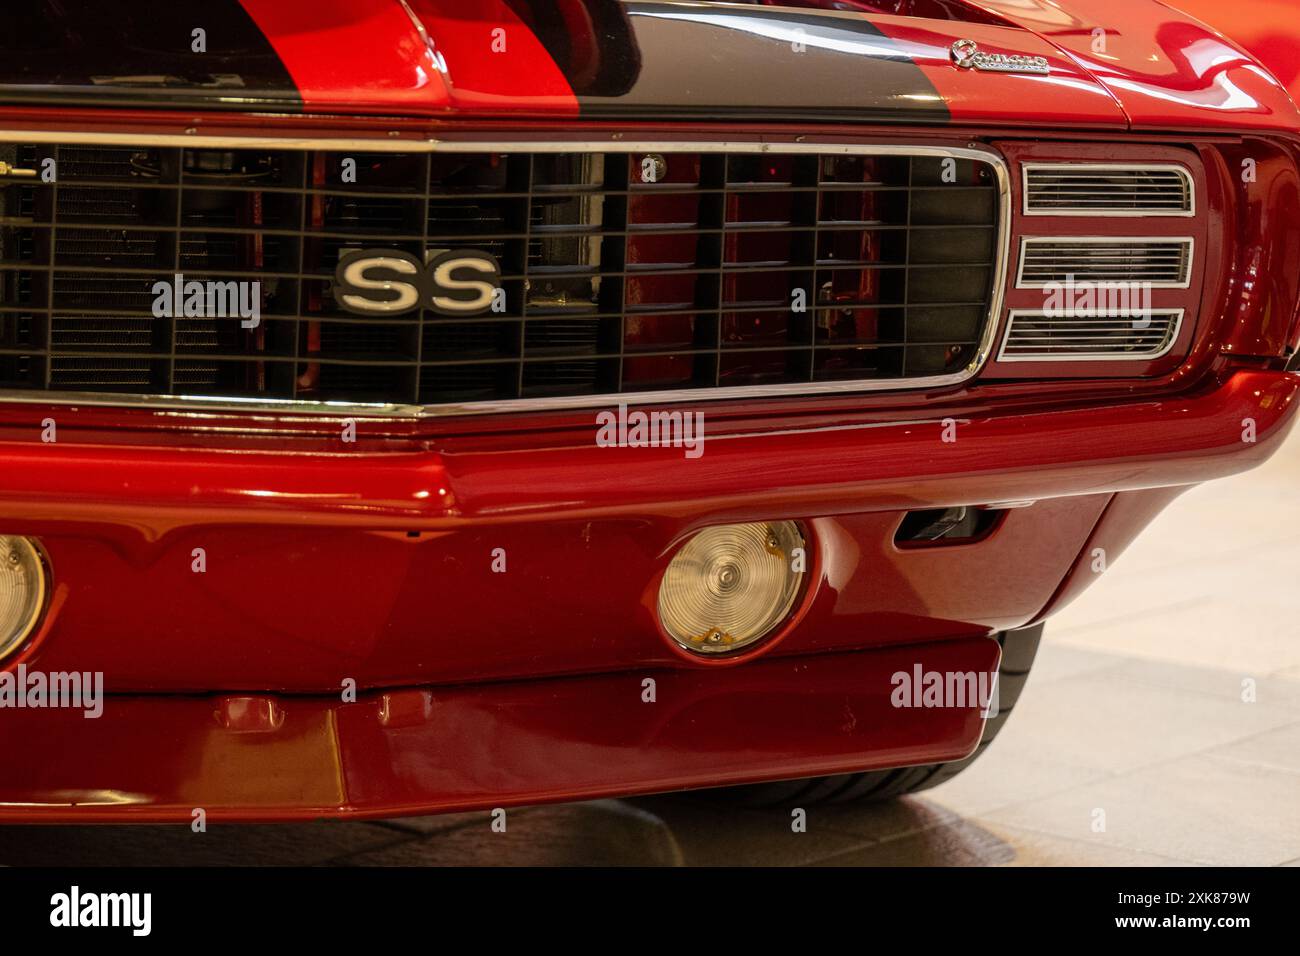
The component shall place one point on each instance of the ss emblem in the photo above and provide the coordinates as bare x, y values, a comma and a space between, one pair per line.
391, 282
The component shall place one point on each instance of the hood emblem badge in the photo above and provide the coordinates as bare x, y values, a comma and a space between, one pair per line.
966, 54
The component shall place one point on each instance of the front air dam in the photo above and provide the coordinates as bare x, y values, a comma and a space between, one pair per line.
427, 750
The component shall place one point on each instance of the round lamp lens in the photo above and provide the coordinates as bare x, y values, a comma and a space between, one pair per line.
730, 585
22, 591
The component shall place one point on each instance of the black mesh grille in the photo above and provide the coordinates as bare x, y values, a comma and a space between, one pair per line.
621, 272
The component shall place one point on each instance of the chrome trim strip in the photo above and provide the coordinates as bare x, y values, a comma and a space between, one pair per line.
1189, 243
1182, 171
271, 407
1014, 314
196, 138
200, 403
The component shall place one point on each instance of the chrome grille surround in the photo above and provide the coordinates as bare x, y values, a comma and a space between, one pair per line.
982, 350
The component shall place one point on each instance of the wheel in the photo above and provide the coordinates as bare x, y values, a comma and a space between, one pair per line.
1018, 650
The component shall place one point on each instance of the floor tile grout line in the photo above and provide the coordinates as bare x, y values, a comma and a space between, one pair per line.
1200, 692
1112, 775
1102, 777
1140, 849
1109, 622
1245, 549
1026, 828
1254, 762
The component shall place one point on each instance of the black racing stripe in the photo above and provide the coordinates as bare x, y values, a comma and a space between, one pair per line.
663, 60
125, 53
590, 41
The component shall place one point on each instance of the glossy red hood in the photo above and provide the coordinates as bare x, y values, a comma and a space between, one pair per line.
1166, 68
1112, 63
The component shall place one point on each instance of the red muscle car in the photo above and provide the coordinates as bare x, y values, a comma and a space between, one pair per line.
424, 405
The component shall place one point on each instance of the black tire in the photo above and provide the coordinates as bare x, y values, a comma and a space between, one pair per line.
1018, 650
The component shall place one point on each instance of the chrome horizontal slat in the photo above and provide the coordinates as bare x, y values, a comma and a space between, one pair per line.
1060, 327
1093, 275
1091, 202
1038, 336
1122, 336
1042, 184
1075, 190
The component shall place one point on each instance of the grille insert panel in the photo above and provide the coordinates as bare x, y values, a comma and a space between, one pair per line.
1160, 262
1035, 336
719, 270
1107, 189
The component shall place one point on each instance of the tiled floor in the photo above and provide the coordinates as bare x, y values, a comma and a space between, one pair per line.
1131, 744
